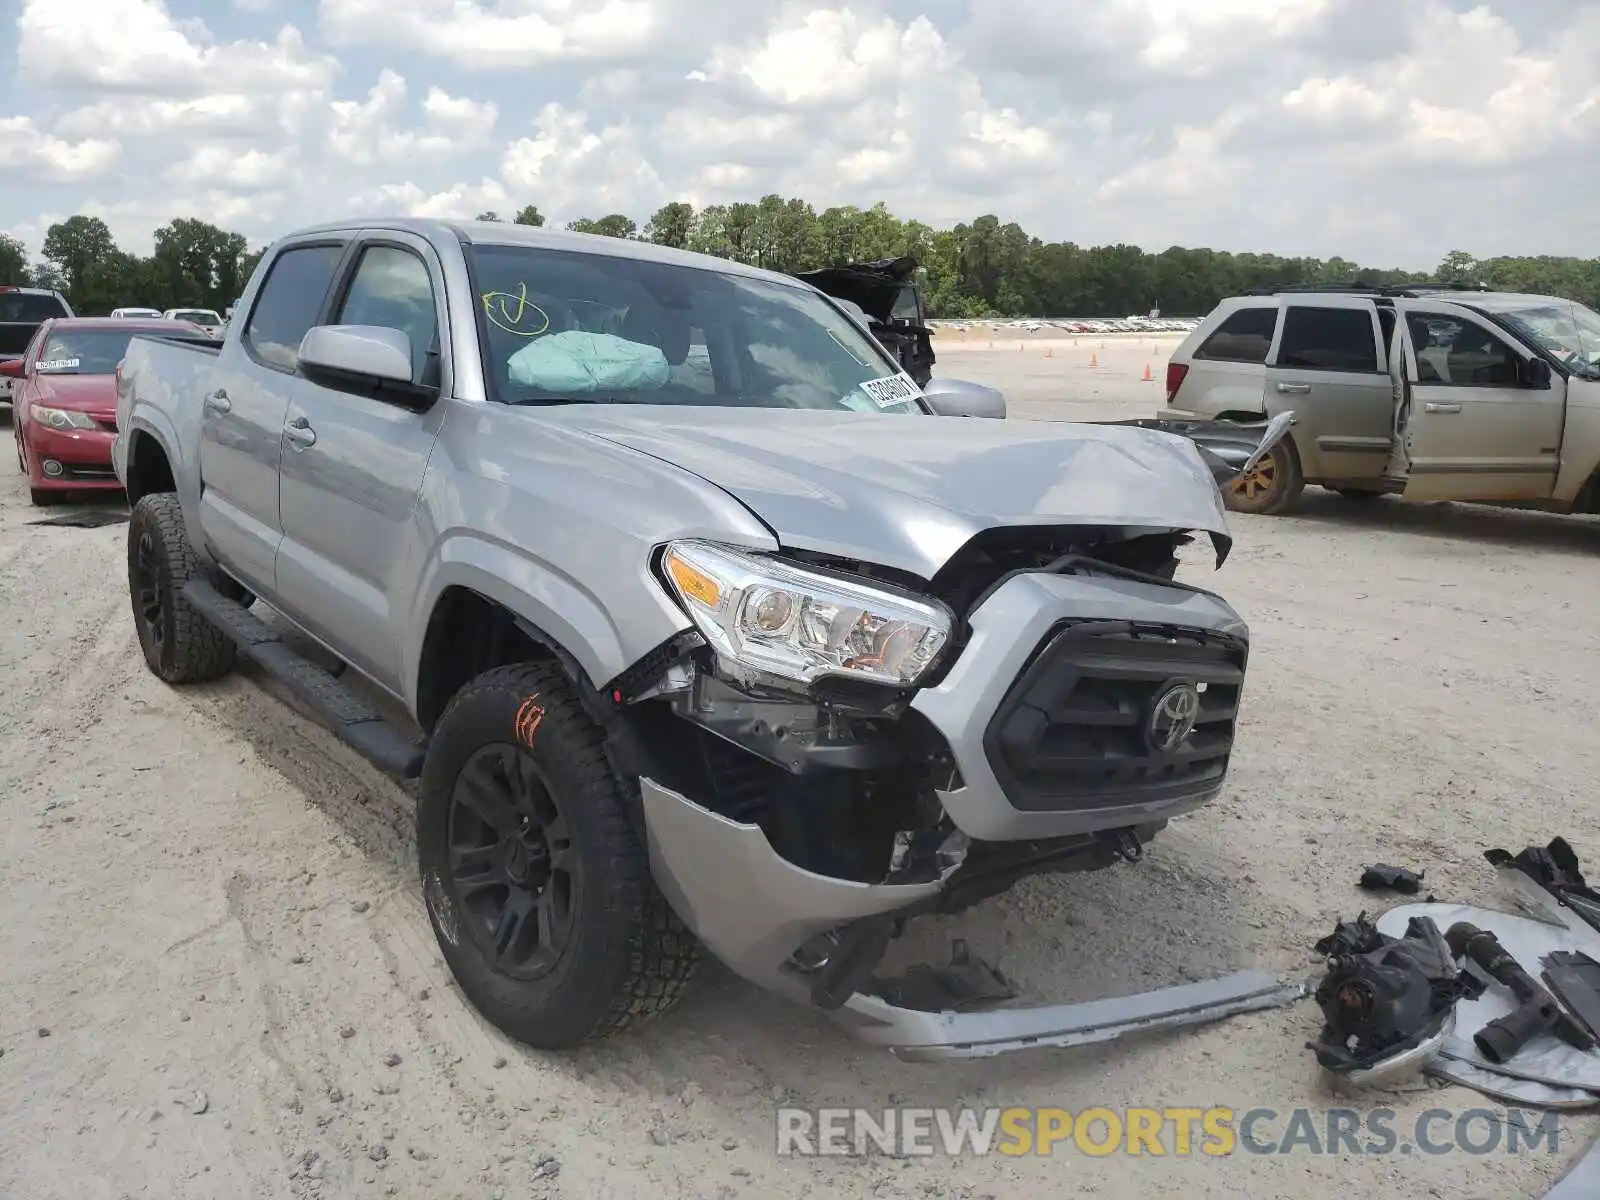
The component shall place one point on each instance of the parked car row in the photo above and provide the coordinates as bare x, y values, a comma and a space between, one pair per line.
1064, 325
207, 318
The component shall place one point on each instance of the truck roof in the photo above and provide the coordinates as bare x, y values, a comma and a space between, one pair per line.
504, 233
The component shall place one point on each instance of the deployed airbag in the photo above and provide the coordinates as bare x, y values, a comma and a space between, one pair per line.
576, 363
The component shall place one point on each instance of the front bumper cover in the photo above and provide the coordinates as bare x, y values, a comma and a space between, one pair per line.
753, 909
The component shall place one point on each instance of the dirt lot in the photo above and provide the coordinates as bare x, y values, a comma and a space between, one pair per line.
211, 906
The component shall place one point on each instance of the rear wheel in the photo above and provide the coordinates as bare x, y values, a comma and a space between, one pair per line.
536, 881
179, 644
1270, 488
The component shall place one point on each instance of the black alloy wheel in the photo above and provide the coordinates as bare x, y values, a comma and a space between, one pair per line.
147, 588
516, 877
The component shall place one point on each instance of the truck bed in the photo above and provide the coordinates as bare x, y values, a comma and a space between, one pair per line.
187, 341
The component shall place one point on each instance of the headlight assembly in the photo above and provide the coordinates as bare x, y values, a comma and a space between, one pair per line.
769, 616
60, 418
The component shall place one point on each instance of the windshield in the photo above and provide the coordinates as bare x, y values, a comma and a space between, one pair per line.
21, 314
1563, 328
199, 316
31, 308
84, 352
563, 326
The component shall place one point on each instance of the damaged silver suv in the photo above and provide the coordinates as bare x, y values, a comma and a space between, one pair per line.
717, 629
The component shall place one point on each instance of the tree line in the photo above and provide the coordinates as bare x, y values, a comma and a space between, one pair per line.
982, 268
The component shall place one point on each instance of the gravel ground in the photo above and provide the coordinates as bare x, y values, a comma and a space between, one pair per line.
219, 979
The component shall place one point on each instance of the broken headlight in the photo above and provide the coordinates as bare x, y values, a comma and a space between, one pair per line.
771, 617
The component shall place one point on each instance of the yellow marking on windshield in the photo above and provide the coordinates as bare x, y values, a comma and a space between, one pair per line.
509, 311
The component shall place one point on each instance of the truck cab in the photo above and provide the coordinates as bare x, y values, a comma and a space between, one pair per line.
1428, 392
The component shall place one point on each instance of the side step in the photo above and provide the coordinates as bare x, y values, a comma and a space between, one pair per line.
353, 721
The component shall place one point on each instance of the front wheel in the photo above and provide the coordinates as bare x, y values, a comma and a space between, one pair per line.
535, 879
1271, 487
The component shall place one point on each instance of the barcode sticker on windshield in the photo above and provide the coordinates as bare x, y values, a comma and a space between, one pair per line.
891, 390
59, 364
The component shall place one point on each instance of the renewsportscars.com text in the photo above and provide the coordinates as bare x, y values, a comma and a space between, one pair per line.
1162, 1132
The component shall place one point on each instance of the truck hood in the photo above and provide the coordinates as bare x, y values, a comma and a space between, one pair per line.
909, 491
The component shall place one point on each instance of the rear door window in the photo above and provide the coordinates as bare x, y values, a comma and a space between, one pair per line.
1245, 337
289, 304
1329, 339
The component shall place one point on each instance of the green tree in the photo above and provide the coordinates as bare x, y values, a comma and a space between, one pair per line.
529, 215
672, 225
612, 225
198, 264
75, 246
13, 260
487, 216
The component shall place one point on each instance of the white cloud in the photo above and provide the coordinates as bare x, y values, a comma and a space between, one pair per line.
1301, 126
528, 34
136, 46
370, 132
574, 169
27, 151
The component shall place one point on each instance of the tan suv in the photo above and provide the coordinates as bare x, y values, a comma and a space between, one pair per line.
1423, 391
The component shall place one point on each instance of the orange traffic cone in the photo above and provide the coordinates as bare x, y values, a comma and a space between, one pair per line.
1147, 378
1094, 360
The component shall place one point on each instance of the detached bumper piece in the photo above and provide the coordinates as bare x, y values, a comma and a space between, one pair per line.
766, 918
921, 1036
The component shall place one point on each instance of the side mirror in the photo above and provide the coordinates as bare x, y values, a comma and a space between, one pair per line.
962, 398
12, 368
367, 359
1534, 373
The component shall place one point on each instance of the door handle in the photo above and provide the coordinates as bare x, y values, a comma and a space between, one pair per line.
218, 402
1441, 408
1295, 389
299, 432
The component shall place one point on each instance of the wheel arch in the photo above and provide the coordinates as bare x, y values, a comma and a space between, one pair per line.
481, 602
149, 465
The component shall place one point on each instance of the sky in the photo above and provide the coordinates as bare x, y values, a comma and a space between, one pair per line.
1386, 133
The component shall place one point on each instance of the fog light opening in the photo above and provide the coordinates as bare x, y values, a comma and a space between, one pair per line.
53, 469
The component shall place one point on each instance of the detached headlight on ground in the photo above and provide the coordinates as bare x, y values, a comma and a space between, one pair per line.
61, 418
771, 617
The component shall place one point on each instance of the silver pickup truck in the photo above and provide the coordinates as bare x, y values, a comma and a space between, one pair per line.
713, 632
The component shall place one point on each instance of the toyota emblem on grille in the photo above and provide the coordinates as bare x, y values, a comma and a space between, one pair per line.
1172, 717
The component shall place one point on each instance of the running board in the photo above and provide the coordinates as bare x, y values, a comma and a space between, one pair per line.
353, 720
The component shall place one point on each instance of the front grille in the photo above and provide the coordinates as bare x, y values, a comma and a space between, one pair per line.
1074, 731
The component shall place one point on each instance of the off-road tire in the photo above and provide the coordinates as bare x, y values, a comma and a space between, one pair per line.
629, 957
1282, 463
180, 646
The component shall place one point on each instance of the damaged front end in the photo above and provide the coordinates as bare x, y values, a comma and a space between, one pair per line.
839, 749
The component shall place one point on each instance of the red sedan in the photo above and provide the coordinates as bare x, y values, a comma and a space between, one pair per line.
64, 401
